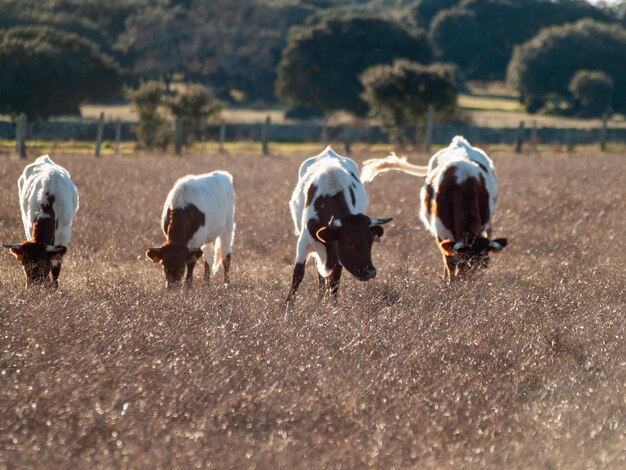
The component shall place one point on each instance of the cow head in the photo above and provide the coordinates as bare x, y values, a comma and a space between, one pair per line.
174, 258
467, 257
36, 259
353, 236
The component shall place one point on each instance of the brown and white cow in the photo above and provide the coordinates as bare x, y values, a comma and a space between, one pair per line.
327, 208
458, 200
198, 219
48, 202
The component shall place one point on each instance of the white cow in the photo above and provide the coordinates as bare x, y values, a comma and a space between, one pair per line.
198, 215
458, 200
48, 202
327, 209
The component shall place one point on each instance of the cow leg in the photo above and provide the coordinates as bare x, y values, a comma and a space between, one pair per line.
226, 263
207, 273
298, 269
335, 277
296, 279
56, 270
321, 283
449, 269
189, 278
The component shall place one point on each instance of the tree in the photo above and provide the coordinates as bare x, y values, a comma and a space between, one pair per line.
593, 92
195, 107
321, 65
479, 35
424, 11
148, 100
544, 66
46, 71
401, 93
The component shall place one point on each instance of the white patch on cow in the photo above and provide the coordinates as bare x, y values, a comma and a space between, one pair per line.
331, 174
214, 195
41, 179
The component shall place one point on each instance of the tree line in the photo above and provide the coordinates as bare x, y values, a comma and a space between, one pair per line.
318, 56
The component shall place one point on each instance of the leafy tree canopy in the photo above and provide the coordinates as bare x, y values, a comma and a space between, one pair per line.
479, 35
321, 65
46, 71
545, 65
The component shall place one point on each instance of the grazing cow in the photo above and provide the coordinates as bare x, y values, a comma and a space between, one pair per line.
199, 212
458, 201
327, 208
48, 202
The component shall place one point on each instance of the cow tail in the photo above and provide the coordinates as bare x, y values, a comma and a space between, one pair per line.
217, 255
372, 168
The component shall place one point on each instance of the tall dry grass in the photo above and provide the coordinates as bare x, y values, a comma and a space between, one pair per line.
524, 367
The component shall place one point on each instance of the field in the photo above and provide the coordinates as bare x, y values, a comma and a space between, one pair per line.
522, 367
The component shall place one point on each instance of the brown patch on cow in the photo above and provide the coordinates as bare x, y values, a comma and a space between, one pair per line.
182, 223
45, 223
429, 192
310, 194
462, 208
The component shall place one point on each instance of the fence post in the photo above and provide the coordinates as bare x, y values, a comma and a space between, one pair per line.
569, 146
519, 142
347, 142
428, 140
265, 135
605, 119
222, 135
325, 131
178, 136
20, 135
118, 137
534, 140
99, 134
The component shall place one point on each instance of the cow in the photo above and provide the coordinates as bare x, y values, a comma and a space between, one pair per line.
198, 220
48, 203
458, 200
327, 208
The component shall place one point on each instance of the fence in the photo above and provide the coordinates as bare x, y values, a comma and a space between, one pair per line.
265, 132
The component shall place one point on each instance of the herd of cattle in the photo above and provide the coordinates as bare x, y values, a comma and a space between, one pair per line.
458, 200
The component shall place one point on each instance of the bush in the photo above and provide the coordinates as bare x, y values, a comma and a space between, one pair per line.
593, 92
304, 112
153, 129
400, 94
195, 107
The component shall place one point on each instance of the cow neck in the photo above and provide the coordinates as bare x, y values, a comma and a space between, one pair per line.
329, 207
45, 223
183, 223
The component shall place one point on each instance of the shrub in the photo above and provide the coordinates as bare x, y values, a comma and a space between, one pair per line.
196, 106
593, 92
153, 129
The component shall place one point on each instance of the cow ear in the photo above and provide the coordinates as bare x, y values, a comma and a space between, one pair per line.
194, 255
326, 235
377, 232
447, 247
154, 255
16, 250
56, 252
498, 244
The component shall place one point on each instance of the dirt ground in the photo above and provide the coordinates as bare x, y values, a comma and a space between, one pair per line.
522, 367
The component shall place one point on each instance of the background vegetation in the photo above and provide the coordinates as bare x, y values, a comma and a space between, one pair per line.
299, 52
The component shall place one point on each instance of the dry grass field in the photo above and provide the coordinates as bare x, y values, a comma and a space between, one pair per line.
523, 367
